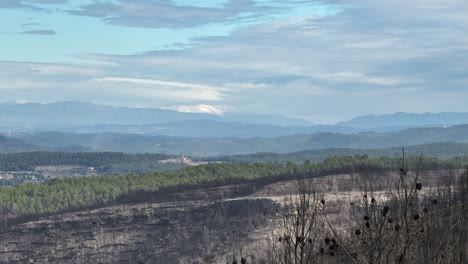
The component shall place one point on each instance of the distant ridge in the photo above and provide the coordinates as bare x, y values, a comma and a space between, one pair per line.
50, 116
131, 143
407, 120
139, 130
10, 145
83, 117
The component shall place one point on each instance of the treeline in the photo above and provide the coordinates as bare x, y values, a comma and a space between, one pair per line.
104, 162
438, 150
59, 195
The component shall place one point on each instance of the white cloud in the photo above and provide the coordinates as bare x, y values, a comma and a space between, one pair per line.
248, 86
167, 14
65, 70
175, 91
363, 78
159, 82
201, 108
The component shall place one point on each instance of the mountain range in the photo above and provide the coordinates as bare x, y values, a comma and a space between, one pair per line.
51, 116
82, 117
400, 120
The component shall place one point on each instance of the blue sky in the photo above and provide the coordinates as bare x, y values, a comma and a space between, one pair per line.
66, 35
324, 61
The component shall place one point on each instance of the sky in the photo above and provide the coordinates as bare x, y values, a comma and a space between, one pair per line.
324, 61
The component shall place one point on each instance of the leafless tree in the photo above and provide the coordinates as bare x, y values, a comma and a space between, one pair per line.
401, 221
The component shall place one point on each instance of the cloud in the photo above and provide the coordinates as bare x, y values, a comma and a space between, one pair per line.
40, 32
248, 86
158, 82
167, 14
175, 91
43, 1
50, 82
16, 3
39, 71
305, 64
28, 4
356, 77
31, 24
24, 77
201, 108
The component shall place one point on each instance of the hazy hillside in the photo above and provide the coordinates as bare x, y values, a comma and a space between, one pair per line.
439, 150
208, 128
402, 120
15, 145
228, 146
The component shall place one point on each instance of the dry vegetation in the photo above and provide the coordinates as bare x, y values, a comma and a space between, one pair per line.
404, 217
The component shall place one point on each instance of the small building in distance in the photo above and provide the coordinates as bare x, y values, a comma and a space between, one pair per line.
184, 160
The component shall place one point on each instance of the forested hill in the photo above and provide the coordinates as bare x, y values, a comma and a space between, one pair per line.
14, 145
58, 195
438, 150
121, 163
104, 162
